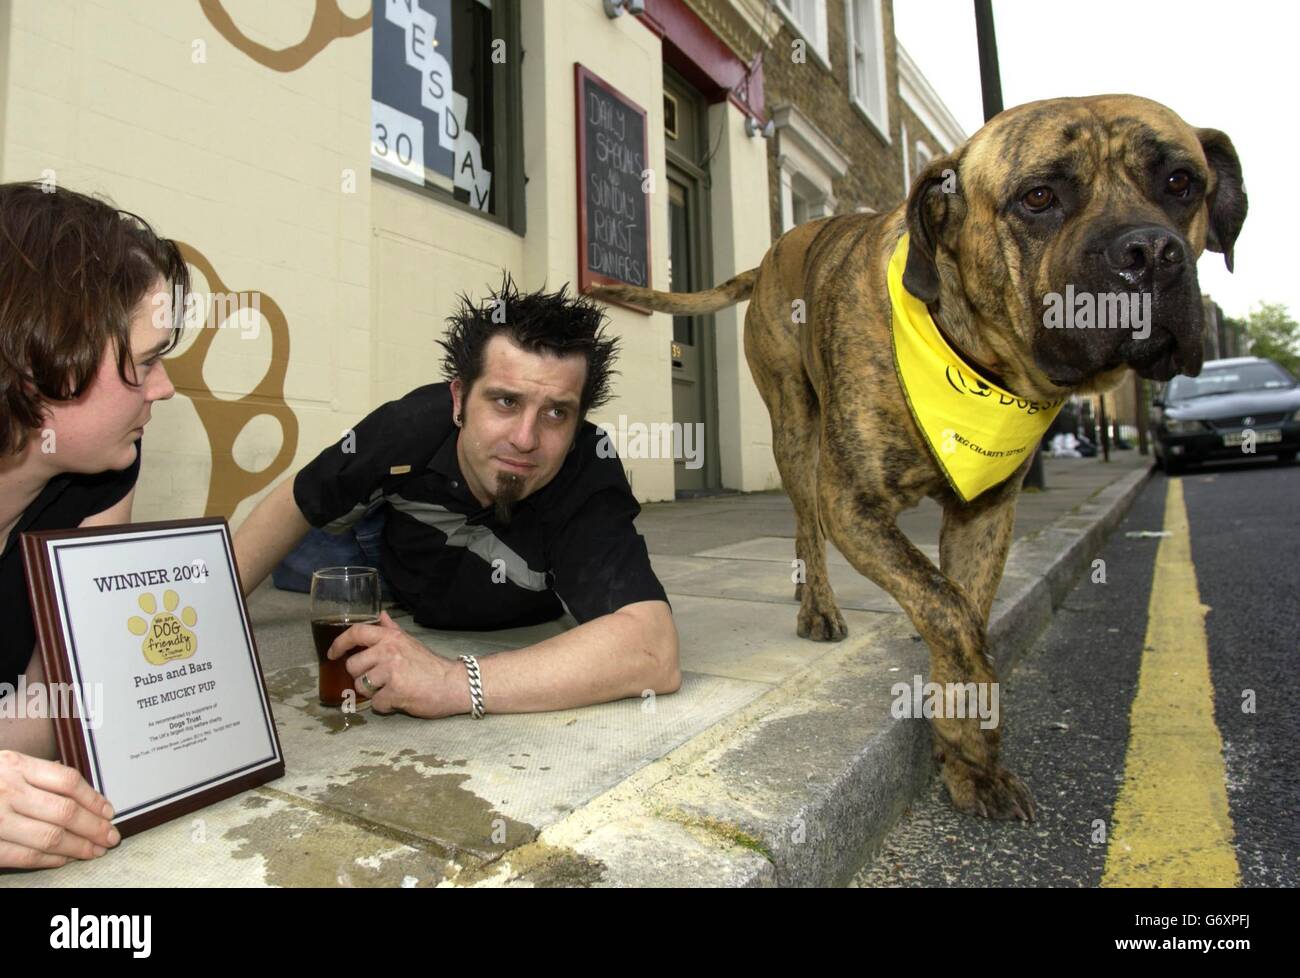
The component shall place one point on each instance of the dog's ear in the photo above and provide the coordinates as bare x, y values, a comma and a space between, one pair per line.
1227, 202
933, 208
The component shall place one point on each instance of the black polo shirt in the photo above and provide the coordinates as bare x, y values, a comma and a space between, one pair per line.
65, 501
572, 544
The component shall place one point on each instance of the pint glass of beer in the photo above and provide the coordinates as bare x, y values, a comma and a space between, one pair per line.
340, 598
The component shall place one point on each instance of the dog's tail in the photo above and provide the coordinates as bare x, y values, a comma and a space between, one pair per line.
734, 290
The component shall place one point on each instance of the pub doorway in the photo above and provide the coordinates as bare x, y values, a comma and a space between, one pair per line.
694, 347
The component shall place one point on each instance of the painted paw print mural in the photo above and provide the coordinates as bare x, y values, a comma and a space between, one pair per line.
167, 636
226, 416
328, 24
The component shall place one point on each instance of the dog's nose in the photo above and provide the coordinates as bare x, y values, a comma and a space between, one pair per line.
1146, 255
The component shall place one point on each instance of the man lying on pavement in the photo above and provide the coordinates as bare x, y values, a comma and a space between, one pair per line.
487, 502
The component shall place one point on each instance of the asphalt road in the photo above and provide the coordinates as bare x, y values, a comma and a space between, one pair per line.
1127, 785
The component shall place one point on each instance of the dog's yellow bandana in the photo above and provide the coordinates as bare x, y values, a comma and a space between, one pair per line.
978, 433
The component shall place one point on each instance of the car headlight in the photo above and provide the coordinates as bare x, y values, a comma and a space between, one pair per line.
1296, 415
1176, 427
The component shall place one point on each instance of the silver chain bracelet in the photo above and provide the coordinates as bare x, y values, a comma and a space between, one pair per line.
475, 686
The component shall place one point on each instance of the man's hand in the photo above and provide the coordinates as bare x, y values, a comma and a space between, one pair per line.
48, 814
406, 676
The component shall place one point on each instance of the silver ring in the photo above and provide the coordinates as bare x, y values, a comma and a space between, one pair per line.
365, 681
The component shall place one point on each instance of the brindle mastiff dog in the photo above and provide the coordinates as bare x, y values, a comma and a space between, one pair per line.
1112, 193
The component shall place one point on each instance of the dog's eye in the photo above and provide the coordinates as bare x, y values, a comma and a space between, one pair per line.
1039, 199
1179, 183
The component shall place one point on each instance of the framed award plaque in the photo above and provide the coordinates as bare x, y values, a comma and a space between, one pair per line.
154, 680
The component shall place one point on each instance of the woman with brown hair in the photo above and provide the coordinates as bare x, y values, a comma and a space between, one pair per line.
86, 313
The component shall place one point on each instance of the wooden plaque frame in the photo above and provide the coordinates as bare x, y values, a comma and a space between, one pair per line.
74, 743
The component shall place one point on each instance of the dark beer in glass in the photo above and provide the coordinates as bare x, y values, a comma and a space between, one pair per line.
340, 598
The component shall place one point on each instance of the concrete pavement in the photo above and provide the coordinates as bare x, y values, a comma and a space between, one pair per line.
776, 763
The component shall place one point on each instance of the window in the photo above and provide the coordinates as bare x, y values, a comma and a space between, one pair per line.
808, 17
809, 164
445, 101
907, 168
670, 115
805, 202
1257, 376
923, 155
866, 42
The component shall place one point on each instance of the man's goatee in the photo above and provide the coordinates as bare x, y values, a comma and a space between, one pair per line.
509, 488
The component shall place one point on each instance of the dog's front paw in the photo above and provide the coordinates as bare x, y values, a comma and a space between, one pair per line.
822, 623
977, 792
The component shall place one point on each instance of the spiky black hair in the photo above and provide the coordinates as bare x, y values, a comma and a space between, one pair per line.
555, 323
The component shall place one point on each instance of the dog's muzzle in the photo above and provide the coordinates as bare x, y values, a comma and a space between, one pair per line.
1161, 356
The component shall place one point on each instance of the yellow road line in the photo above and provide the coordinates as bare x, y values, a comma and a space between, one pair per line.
1171, 825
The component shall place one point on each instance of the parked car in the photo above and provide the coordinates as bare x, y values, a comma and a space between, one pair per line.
1240, 400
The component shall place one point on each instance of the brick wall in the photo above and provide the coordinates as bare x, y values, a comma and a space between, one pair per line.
875, 175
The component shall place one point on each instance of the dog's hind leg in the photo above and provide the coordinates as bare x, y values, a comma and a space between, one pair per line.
792, 404
772, 349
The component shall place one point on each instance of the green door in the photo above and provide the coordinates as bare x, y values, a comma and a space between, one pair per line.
694, 362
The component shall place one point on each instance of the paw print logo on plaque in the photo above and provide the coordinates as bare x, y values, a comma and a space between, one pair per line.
232, 366
167, 635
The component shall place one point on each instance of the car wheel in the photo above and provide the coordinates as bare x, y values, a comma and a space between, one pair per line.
1173, 466
1286, 458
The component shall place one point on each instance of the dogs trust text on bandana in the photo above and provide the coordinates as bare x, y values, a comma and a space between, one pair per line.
977, 432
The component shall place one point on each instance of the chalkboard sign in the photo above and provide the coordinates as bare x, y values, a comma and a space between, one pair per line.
613, 205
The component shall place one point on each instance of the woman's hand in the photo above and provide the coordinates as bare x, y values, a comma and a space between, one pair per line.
49, 814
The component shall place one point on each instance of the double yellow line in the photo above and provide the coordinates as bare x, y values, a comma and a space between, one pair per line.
1171, 825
